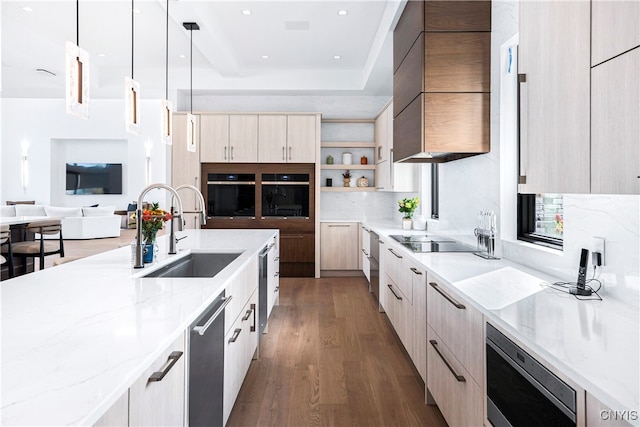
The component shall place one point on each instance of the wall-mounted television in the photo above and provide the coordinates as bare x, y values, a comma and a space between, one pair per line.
94, 178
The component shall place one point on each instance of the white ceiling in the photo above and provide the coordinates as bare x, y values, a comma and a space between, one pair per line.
300, 37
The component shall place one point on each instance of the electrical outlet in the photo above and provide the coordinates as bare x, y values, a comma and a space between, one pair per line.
598, 246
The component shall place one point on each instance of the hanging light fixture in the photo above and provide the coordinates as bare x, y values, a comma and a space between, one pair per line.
132, 90
167, 106
77, 75
191, 119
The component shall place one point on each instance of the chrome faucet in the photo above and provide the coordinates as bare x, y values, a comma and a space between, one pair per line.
202, 212
172, 236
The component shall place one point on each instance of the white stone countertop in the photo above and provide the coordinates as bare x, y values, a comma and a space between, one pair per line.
595, 344
76, 336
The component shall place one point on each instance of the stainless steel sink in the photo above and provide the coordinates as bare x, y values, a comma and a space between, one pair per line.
196, 265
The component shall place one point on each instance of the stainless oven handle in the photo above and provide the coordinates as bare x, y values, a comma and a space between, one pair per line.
285, 182
447, 296
568, 412
458, 377
201, 330
231, 183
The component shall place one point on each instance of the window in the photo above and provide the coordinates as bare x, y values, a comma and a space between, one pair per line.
541, 219
435, 190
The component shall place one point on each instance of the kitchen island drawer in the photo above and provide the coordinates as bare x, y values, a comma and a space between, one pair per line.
457, 323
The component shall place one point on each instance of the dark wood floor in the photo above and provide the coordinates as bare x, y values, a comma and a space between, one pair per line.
330, 359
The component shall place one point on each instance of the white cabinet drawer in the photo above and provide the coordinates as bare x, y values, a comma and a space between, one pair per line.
458, 325
457, 395
239, 290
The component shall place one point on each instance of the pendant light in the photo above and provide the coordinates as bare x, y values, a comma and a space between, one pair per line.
191, 119
132, 90
77, 75
167, 106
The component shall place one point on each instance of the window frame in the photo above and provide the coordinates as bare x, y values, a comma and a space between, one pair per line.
526, 224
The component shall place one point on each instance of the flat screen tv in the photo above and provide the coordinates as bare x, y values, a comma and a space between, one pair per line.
94, 178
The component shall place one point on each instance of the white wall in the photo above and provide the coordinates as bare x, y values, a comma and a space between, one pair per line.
44, 124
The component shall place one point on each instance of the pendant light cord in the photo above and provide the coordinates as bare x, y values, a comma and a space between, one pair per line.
191, 69
78, 23
132, 35
166, 57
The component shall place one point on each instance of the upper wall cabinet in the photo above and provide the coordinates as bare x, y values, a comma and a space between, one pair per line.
229, 138
272, 138
554, 66
615, 128
615, 28
214, 131
441, 81
287, 138
302, 138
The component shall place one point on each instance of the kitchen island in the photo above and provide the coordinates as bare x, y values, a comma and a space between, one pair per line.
75, 337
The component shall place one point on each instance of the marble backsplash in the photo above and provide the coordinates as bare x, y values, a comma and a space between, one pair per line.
360, 206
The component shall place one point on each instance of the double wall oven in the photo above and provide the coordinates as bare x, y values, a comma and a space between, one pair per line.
266, 195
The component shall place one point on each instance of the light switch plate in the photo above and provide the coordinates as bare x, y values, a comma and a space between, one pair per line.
598, 246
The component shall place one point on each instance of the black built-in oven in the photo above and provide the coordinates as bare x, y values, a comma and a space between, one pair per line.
285, 195
520, 391
231, 195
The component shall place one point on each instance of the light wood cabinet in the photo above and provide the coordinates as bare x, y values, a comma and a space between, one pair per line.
239, 290
458, 396
272, 138
302, 138
157, 398
615, 128
214, 137
241, 342
243, 138
117, 415
391, 176
185, 166
600, 415
366, 251
399, 311
419, 317
397, 269
615, 28
554, 102
339, 248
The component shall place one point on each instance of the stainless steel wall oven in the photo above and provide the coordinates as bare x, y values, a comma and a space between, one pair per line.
285, 195
231, 195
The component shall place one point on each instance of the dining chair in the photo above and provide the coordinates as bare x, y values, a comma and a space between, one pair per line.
40, 247
5, 244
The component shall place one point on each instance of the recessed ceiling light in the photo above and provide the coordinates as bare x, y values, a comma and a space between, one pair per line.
102, 55
265, 56
27, 8
246, 12
182, 56
343, 12
337, 57
136, 10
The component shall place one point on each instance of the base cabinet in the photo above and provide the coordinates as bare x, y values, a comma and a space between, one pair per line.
118, 414
339, 246
419, 318
157, 397
600, 415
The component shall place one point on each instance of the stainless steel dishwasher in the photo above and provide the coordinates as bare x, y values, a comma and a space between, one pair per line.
206, 365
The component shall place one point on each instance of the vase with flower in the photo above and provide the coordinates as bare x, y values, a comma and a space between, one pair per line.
153, 219
408, 206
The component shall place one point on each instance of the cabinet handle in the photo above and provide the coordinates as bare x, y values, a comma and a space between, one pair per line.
283, 153
447, 296
235, 336
225, 153
171, 360
289, 153
379, 152
232, 152
276, 289
339, 225
246, 316
394, 252
523, 126
415, 270
292, 236
458, 377
381, 242
394, 292
253, 310
365, 252
201, 330
277, 258
276, 274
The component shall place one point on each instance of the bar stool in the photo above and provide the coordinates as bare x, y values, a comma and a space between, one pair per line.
41, 247
5, 243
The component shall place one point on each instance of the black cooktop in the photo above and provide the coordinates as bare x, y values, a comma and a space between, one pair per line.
431, 243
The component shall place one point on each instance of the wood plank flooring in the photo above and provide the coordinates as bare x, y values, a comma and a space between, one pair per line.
330, 359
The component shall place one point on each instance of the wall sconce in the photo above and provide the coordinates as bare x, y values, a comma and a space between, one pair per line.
148, 145
24, 165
